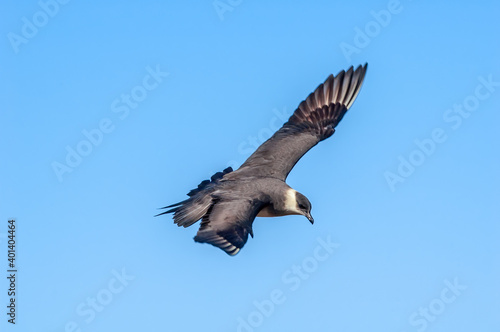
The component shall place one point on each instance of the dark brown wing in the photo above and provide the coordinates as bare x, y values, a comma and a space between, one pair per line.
313, 121
228, 223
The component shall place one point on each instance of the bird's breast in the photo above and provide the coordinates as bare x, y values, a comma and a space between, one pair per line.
269, 211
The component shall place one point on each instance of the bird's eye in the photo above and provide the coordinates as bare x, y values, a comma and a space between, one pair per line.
302, 207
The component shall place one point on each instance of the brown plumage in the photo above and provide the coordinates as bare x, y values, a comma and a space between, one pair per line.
228, 203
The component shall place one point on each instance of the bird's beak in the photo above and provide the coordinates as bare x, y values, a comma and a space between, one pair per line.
309, 217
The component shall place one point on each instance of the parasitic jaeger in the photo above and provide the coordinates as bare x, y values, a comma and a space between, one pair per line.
228, 203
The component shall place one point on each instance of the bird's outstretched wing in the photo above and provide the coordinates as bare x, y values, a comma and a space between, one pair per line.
313, 121
228, 223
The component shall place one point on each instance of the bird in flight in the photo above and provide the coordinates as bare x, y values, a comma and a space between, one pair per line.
228, 203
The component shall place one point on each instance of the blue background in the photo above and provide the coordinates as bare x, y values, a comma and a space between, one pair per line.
234, 73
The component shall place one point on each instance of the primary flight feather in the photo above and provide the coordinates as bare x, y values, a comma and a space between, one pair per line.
228, 203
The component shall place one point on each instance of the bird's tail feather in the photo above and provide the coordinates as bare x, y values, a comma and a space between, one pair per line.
191, 210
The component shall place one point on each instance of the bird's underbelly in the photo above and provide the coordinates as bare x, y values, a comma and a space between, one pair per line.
269, 211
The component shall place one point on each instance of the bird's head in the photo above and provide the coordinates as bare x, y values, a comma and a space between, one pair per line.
303, 206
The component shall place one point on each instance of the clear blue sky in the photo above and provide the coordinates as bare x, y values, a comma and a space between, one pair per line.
112, 110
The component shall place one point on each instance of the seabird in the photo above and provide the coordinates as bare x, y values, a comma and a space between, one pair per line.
228, 203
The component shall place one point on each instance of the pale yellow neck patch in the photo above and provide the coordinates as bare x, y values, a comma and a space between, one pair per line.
291, 201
